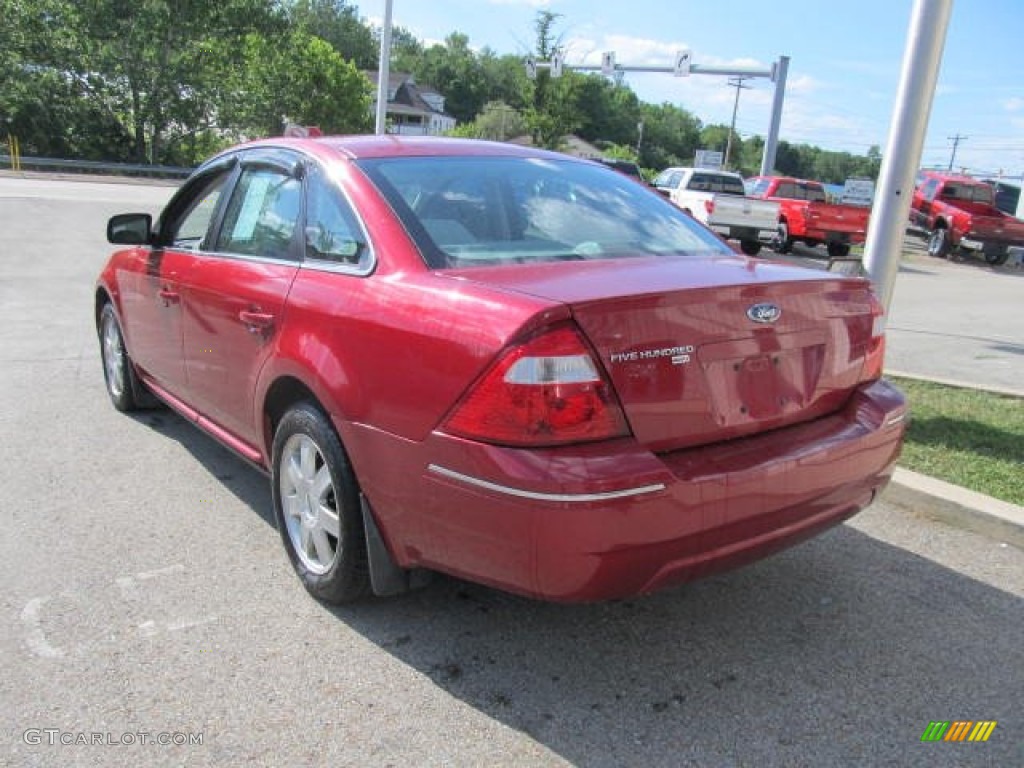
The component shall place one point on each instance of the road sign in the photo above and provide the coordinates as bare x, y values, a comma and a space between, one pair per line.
684, 58
858, 192
531, 67
608, 63
557, 59
708, 158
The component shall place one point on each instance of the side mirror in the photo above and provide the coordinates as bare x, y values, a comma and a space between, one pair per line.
130, 229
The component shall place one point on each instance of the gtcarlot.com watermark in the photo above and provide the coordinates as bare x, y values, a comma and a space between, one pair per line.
56, 737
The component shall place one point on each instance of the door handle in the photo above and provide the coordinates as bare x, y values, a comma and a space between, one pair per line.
169, 297
256, 322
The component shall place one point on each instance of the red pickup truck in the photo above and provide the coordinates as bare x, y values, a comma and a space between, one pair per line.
958, 212
806, 215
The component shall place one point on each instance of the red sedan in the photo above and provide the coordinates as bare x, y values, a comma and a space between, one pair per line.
508, 365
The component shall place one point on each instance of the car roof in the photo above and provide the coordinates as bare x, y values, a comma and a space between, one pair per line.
374, 146
959, 178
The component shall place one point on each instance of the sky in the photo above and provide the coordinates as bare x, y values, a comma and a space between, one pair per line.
844, 70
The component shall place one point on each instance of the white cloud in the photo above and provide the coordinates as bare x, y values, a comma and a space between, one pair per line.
1013, 104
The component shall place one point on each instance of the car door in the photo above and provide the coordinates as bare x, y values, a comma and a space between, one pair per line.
236, 294
151, 305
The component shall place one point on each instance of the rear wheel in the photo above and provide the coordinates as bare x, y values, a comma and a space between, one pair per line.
938, 243
997, 256
783, 244
316, 504
750, 247
838, 250
118, 372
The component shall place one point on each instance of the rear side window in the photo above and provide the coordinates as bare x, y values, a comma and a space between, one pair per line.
333, 234
476, 211
262, 215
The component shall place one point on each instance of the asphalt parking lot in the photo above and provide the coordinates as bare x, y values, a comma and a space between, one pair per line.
147, 593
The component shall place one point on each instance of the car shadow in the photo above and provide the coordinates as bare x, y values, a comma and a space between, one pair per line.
839, 651
969, 436
835, 648
244, 480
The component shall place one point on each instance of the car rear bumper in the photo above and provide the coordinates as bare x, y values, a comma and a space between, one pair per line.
833, 236
612, 520
975, 242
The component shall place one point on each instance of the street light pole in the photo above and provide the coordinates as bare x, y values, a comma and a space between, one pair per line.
384, 71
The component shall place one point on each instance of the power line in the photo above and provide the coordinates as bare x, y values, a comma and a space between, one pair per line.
737, 83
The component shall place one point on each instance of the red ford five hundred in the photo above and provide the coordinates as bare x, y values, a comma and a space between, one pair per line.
508, 365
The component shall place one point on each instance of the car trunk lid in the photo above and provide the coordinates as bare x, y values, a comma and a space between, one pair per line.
700, 350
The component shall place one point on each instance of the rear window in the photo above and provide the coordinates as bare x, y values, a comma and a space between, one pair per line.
801, 190
757, 187
714, 182
479, 211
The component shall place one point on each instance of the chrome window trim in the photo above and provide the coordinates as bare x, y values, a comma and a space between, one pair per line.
327, 265
538, 496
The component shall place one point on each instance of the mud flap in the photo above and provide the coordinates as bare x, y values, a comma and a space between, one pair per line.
386, 577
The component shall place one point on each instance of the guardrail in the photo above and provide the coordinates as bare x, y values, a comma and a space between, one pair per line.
21, 162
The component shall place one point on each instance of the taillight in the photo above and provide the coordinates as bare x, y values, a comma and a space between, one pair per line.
546, 390
875, 357
709, 205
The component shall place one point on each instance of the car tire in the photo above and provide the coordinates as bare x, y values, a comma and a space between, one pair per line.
750, 247
838, 250
316, 506
123, 385
783, 243
938, 243
997, 256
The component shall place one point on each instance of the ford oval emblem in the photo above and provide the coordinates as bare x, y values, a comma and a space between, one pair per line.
764, 313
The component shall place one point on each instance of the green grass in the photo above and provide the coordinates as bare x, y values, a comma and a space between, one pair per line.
963, 436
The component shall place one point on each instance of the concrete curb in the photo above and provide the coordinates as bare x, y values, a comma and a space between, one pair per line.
956, 383
956, 506
953, 504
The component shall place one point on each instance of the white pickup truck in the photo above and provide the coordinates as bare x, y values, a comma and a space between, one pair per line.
717, 200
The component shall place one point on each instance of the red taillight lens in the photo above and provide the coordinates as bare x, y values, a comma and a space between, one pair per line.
875, 357
544, 391
709, 206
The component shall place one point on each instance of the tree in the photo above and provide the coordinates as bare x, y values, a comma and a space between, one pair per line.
671, 136
552, 113
497, 122
607, 112
305, 81
338, 23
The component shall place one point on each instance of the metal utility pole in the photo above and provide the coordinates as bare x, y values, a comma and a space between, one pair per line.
956, 143
384, 71
771, 145
926, 38
737, 83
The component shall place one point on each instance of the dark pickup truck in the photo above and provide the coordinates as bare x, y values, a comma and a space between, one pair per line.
958, 213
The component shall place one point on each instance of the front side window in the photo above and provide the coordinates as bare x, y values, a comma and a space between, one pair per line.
668, 179
928, 192
262, 214
189, 222
474, 211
